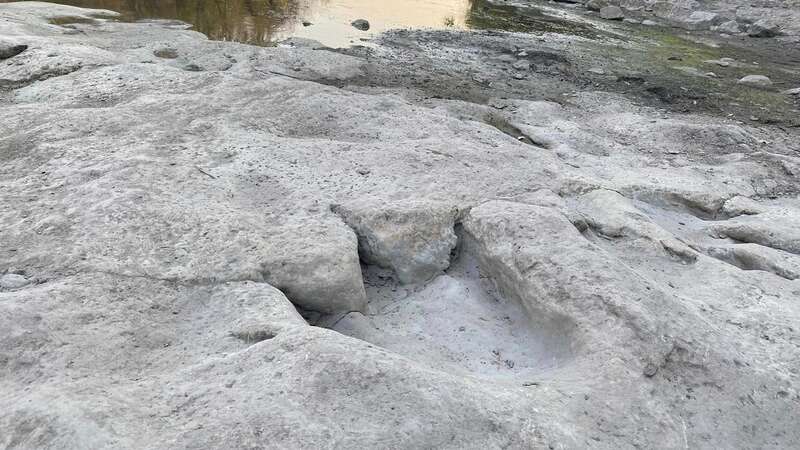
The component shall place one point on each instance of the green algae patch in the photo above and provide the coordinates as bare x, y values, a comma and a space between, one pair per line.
669, 45
678, 72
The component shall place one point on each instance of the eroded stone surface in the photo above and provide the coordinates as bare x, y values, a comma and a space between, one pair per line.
612, 215
538, 258
457, 322
756, 80
611, 13
758, 257
13, 281
9, 50
777, 228
764, 19
167, 221
763, 28
413, 239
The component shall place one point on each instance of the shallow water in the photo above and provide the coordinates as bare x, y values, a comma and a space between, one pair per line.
264, 22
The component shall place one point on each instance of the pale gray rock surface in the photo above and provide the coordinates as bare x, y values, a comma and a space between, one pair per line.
765, 19
758, 257
756, 80
582, 270
763, 28
730, 27
651, 328
775, 228
596, 5
612, 215
413, 239
702, 20
13, 281
611, 13
321, 274
739, 205
722, 62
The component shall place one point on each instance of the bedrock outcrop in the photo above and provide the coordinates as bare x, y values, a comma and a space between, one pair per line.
296, 247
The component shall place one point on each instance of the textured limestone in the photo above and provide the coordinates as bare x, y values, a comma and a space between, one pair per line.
730, 27
622, 273
758, 257
9, 50
611, 13
13, 281
768, 19
322, 274
414, 239
756, 80
763, 28
701, 20
737, 206
654, 329
614, 216
777, 228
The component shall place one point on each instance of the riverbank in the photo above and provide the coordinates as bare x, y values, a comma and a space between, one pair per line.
450, 239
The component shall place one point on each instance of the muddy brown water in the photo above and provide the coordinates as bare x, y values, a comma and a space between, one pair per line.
263, 22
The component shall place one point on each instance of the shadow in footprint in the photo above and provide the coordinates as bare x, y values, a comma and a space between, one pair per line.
457, 322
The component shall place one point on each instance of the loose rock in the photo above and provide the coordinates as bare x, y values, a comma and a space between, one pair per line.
730, 27
596, 5
13, 281
701, 20
166, 53
740, 205
413, 239
722, 62
756, 80
612, 13
763, 28
361, 24
521, 65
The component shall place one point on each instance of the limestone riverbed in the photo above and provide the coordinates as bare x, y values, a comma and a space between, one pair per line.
561, 235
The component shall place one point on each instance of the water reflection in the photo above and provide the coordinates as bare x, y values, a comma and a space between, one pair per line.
250, 21
262, 22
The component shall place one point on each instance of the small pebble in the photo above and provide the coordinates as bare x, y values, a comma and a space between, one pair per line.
13, 281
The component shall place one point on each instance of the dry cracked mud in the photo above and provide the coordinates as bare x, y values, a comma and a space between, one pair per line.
447, 240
